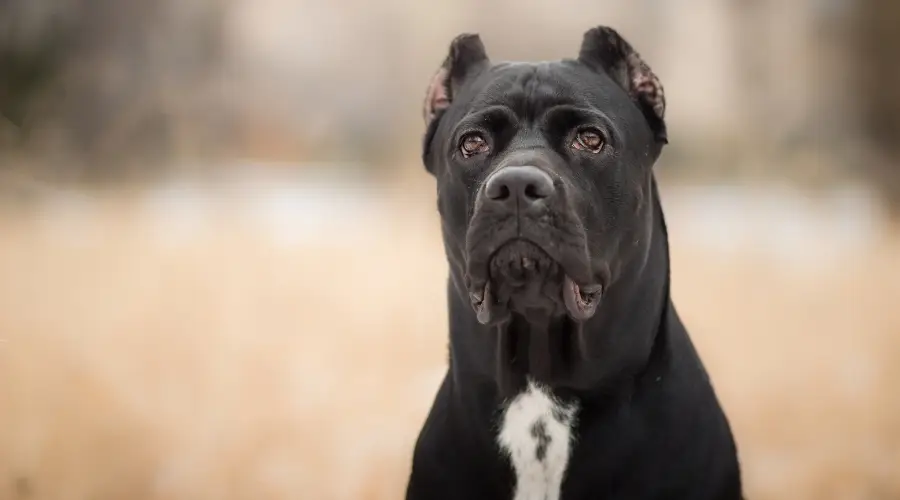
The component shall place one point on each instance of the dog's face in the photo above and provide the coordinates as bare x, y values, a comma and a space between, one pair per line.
544, 173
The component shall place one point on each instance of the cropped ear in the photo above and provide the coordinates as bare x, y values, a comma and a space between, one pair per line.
603, 49
466, 55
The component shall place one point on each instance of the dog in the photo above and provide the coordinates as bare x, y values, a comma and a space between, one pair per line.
571, 376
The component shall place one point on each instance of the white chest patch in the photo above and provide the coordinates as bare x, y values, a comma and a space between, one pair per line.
536, 433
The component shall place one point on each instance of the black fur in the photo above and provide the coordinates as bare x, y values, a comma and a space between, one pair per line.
649, 425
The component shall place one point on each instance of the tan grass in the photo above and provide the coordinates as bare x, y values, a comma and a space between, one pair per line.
231, 368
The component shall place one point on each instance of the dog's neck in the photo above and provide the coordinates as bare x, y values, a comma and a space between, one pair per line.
597, 356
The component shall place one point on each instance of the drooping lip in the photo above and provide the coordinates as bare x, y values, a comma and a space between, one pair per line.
581, 302
482, 303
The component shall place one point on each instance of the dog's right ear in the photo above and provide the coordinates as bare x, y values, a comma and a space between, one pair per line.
466, 54
465, 58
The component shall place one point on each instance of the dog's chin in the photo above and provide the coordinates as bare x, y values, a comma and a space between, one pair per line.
524, 279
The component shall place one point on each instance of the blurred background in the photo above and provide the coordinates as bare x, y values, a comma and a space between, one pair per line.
221, 274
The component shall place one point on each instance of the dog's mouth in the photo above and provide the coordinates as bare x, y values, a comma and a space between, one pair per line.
523, 277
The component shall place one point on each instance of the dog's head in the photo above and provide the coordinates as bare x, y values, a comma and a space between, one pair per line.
544, 172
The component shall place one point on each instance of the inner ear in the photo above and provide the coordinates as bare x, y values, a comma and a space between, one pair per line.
603, 49
437, 97
466, 55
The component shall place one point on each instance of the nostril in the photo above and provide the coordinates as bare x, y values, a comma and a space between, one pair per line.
498, 191
533, 192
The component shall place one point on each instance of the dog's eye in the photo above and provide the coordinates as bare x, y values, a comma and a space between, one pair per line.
588, 139
473, 144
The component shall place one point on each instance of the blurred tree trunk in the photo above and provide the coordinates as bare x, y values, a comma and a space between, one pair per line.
33, 47
110, 78
878, 72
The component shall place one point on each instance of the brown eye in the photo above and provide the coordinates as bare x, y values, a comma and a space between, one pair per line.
473, 144
589, 139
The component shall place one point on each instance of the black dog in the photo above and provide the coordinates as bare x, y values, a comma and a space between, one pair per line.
571, 375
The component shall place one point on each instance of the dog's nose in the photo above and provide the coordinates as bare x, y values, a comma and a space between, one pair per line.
526, 185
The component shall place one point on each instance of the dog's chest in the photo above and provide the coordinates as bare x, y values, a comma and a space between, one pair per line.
536, 432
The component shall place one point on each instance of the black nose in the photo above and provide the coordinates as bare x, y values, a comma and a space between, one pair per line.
526, 185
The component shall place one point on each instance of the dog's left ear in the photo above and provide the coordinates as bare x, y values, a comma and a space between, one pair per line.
605, 50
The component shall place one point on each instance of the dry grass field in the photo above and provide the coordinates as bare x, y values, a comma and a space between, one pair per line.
224, 365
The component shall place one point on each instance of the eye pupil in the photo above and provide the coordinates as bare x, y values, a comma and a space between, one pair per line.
473, 144
590, 140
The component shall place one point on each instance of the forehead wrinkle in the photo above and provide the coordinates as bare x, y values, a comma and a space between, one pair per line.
530, 90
